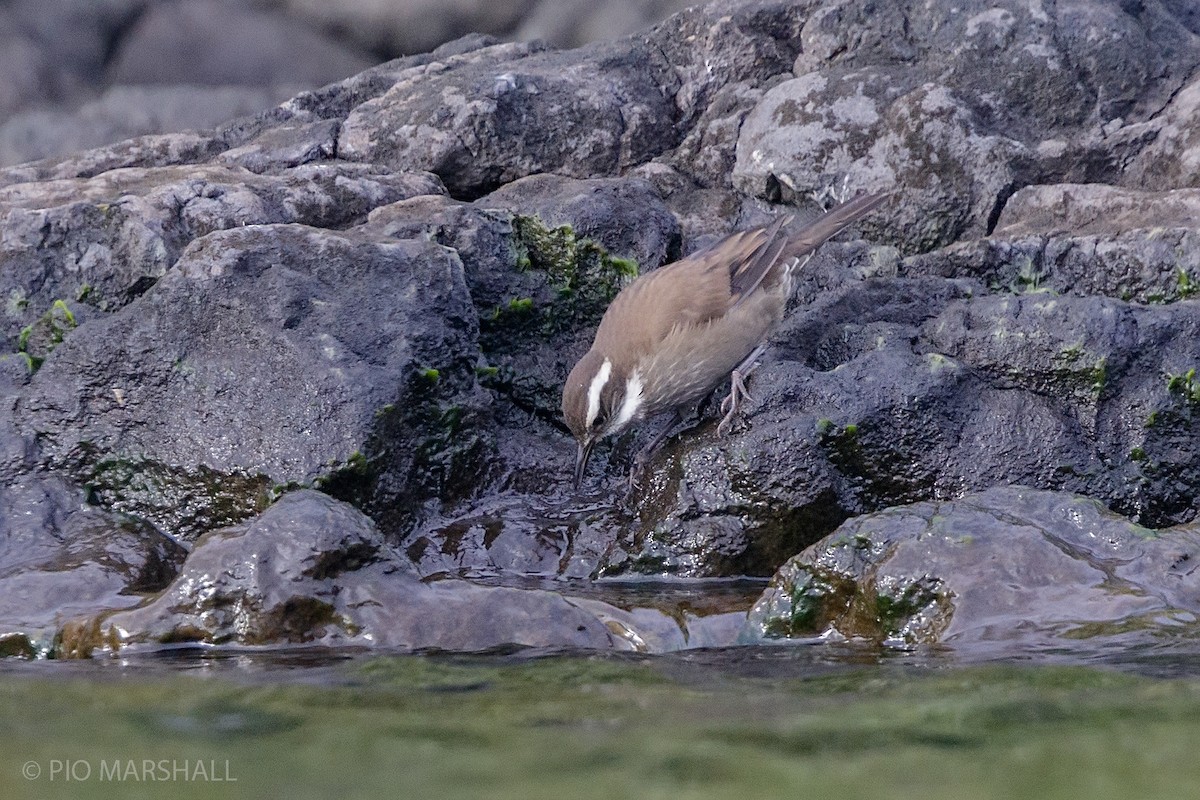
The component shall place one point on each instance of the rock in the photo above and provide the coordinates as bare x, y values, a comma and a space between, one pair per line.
124, 112
480, 121
959, 129
577, 22
1006, 565
106, 240
61, 558
375, 288
221, 43
543, 259
25, 66
865, 132
704, 215
1084, 239
1170, 161
360, 353
625, 216
75, 35
890, 392
333, 581
410, 26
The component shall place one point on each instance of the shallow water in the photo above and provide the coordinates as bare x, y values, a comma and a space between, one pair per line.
813, 720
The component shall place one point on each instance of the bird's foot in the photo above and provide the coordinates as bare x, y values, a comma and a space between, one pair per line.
737, 395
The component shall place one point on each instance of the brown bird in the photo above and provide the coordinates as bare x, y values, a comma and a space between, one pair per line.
674, 334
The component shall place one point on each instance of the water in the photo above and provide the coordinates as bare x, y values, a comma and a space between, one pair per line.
817, 720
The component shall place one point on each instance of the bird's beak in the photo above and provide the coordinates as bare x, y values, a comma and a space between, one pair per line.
581, 459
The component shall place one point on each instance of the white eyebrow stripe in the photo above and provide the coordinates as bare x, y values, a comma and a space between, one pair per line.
632, 402
598, 382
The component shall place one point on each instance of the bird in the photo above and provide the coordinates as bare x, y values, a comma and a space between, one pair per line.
671, 337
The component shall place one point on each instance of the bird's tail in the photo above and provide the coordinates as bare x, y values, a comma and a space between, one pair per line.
804, 238
785, 242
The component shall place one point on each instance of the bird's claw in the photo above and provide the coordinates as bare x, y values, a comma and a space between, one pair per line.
730, 405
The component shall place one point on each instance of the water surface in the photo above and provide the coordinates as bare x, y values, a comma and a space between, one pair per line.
809, 720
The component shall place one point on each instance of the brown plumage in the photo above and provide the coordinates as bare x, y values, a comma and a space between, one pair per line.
674, 334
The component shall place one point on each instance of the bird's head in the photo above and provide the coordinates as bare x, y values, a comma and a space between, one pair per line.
599, 399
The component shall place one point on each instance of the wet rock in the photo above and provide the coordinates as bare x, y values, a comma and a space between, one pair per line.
1006, 565
543, 258
199, 322
313, 570
625, 216
890, 392
61, 558
360, 355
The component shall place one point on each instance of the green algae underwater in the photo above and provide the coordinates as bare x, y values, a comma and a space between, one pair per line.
585, 725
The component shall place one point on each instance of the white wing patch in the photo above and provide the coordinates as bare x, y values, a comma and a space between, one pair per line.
598, 382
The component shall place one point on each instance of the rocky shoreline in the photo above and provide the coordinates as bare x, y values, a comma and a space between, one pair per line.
295, 380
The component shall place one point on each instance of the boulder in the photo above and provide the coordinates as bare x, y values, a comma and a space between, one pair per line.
103, 241
270, 355
1009, 565
61, 557
481, 121
312, 570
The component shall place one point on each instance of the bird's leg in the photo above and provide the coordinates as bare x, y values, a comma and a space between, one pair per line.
737, 388
642, 459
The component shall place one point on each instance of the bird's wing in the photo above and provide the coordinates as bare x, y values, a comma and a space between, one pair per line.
785, 245
710, 282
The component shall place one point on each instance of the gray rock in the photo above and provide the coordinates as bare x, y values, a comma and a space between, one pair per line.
890, 392
27, 69
822, 133
124, 112
1083, 239
270, 355
990, 97
218, 317
74, 36
627, 217
61, 558
543, 258
330, 579
572, 23
409, 26
221, 43
105, 240
1170, 160
1008, 565
479, 121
